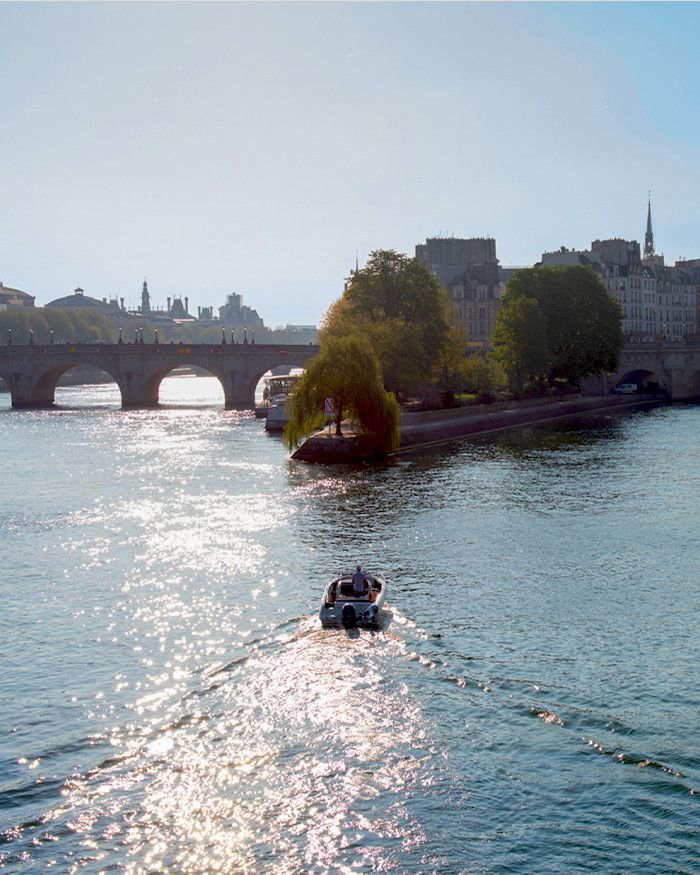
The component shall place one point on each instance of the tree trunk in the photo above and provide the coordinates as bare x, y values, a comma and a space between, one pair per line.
338, 420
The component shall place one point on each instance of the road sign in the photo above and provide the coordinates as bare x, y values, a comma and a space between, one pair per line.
329, 406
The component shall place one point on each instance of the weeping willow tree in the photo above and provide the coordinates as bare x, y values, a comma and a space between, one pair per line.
348, 371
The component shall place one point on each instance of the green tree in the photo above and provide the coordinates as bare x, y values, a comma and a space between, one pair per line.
480, 375
452, 361
59, 323
583, 322
399, 305
347, 370
519, 339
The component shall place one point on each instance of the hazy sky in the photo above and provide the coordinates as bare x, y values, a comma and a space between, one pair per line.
256, 147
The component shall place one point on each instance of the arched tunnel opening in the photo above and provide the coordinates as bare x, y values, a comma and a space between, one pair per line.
5, 398
83, 386
190, 386
640, 381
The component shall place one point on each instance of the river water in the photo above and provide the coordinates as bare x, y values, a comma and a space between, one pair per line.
169, 702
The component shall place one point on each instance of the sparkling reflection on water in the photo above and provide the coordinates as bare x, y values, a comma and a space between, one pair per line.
170, 702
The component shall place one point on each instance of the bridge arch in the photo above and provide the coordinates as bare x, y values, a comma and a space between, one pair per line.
155, 381
39, 389
694, 386
50, 380
646, 380
4, 388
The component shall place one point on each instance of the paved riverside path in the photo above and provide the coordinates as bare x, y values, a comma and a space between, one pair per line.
438, 426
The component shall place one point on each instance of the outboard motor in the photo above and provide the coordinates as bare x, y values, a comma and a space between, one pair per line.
349, 617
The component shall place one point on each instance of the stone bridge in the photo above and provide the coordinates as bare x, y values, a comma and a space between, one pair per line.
32, 371
675, 367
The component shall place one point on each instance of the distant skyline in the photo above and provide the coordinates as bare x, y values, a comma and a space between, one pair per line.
256, 147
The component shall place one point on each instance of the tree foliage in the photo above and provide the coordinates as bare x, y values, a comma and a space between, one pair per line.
399, 305
347, 370
582, 324
481, 375
82, 324
519, 339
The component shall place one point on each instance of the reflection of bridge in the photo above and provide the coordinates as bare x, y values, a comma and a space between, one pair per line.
675, 366
32, 371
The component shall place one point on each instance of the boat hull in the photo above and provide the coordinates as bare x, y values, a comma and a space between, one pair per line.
338, 611
277, 417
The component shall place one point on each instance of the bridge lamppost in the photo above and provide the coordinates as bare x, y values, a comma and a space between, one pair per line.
51, 336
9, 337
223, 337
121, 339
232, 340
252, 335
155, 336
31, 336
245, 335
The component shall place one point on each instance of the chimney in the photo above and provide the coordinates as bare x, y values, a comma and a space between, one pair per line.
199, 312
169, 308
121, 303
187, 304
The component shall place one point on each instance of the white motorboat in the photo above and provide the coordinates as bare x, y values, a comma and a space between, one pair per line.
342, 606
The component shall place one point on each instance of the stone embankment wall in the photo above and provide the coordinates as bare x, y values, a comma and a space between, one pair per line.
440, 426
437, 426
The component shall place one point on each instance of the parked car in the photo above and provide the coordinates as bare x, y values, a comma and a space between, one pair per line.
626, 388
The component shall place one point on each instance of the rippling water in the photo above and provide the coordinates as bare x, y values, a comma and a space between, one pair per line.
169, 702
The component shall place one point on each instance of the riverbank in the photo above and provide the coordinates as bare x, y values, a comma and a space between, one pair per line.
433, 427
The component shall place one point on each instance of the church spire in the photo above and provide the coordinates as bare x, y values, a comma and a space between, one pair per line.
649, 236
145, 298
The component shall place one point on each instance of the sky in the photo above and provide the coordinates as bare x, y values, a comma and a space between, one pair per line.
260, 148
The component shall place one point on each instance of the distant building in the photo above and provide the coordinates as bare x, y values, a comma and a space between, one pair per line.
692, 267
470, 271
234, 314
14, 298
79, 300
176, 310
658, 302
296, 329
292, 334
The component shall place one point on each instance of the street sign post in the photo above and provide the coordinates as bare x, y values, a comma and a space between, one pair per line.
329, 410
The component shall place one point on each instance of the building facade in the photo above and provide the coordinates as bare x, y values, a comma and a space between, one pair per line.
469, 270
11, 299
235, 314
80, 301
659, 302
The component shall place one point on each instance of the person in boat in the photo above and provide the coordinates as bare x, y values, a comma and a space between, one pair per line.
359, 582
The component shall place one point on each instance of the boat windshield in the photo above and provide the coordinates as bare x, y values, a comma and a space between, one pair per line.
281, 384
